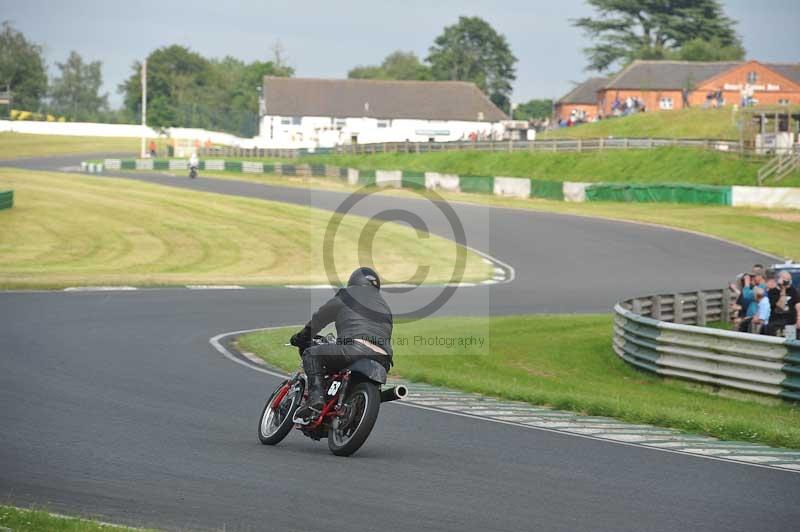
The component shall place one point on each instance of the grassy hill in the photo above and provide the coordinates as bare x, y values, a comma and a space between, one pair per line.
695, 123
16, 145
663, 165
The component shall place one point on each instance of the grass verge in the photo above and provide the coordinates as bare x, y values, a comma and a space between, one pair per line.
16, 145
565, 362
72, 230
25, 520
770, 230
657, 166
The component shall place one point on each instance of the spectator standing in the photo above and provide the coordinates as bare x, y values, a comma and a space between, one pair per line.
152, 148
784, 301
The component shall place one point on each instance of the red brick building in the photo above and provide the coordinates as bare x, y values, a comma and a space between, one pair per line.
666, 85
582, 100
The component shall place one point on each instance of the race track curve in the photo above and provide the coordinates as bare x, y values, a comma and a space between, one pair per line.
115, 405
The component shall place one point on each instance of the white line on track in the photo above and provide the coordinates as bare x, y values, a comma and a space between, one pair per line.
654, 439
99, 288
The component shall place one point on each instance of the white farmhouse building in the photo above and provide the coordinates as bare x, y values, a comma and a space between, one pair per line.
310, 113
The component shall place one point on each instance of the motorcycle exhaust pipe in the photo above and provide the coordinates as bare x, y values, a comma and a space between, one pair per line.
394, 393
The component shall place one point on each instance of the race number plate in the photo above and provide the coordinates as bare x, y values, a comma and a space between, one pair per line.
335, 385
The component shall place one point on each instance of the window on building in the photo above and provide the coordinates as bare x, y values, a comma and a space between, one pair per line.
665, 103
783, 101
286, 121
296, 120
752, 77
383, 123
339, 123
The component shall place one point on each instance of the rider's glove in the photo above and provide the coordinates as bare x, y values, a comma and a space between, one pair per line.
300, 339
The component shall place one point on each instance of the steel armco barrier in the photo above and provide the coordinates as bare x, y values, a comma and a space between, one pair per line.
665, 334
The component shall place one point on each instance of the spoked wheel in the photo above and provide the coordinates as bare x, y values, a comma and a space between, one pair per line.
276, 422
349, 431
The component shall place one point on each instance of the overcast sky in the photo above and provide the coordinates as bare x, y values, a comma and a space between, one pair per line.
327, 38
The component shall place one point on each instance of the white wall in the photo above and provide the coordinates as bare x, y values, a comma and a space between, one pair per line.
90, 129
319, 131
84, 129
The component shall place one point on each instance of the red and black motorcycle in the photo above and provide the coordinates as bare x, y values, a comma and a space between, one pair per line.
353, 399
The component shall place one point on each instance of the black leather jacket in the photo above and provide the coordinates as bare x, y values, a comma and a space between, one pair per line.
359, 312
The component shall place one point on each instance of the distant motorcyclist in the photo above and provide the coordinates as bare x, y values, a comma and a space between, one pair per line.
363, 327
194, 164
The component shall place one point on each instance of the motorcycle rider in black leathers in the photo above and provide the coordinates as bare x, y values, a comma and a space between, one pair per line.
363, 328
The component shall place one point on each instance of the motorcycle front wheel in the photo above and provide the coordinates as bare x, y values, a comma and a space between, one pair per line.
349, 431
275, 423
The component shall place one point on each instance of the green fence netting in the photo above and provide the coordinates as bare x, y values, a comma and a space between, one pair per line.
233, 166
478, 184
547, 189
699, 194
411, 179
366, 177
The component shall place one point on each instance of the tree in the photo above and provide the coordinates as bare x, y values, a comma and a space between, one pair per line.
186, 89
397, 65
22, 69
471, 50
624, 30
713, 50
533, 109
76, 92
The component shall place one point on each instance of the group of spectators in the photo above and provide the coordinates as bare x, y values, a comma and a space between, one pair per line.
629, 105
766, 303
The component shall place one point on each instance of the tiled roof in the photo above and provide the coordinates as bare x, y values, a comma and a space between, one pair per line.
585, 92
342, 98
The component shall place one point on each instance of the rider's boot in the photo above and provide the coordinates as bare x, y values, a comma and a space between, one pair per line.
316, 400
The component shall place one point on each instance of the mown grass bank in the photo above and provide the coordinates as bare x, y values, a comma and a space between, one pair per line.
18, 145
661, 165
565, 362
74, 230
25, 520
694, 123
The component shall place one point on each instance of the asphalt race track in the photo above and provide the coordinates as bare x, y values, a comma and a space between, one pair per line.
114, 404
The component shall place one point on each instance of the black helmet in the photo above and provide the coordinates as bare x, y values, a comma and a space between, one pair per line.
364, 277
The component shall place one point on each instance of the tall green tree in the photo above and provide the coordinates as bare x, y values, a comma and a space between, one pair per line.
397, 65
624, 30
189, 90
22, 69
471, 50
534, 109
75, 93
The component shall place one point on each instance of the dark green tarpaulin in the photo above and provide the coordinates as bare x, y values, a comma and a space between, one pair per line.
233, 166
163, 164
699, 194
288, 169
366, 177
343, 172
547, 189
411, 179
6, 199
127, 164
479, 184
269, 168
318, 170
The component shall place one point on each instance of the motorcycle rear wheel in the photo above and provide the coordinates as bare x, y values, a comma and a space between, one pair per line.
274, 424
346, 436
